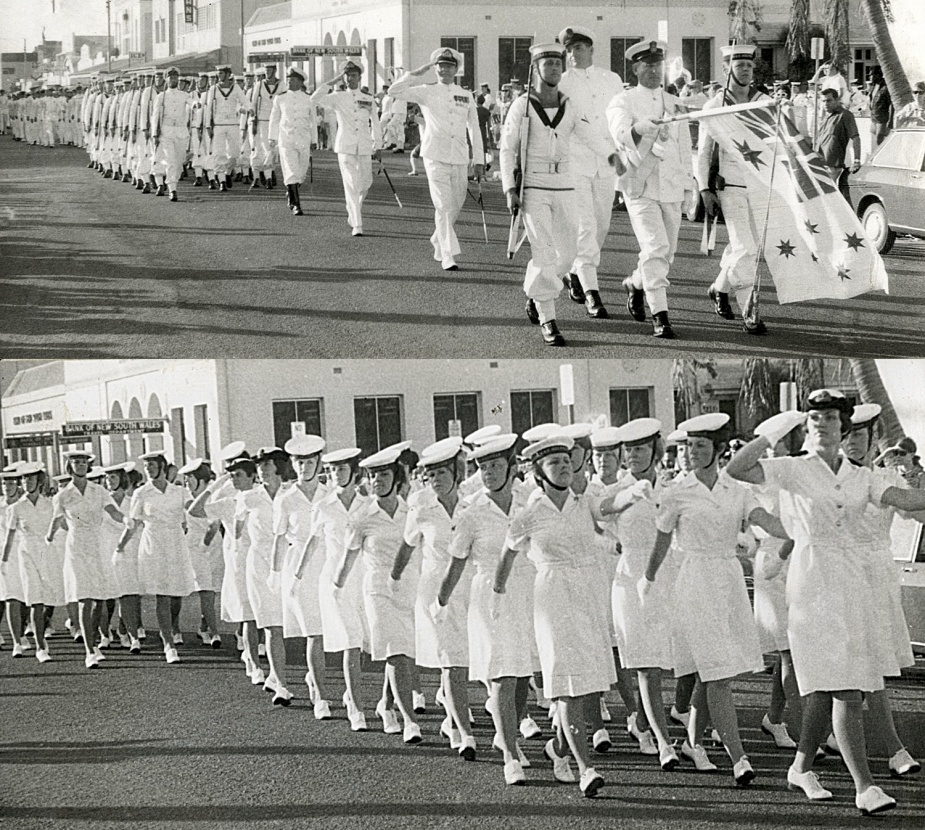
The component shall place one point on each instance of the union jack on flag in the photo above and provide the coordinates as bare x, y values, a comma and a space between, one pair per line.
814, 245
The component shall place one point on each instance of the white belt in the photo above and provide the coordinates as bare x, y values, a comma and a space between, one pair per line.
549, 167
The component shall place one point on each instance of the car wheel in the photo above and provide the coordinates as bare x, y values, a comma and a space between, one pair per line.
877, 228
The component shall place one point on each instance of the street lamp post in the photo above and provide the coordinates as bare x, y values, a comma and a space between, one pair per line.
108, 37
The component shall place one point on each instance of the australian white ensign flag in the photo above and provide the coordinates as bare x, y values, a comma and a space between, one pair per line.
815, 246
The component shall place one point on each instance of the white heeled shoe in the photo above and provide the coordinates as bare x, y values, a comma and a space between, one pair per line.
902, 763
778, 731
698, 755
591, 782
561, 766
529, 728
873, 800
809, 783
514, 774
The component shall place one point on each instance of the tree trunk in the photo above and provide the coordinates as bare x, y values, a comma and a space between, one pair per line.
836, 33
893, 72
871, 389
798, 31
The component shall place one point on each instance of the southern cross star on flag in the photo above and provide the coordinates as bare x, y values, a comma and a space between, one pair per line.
814, 246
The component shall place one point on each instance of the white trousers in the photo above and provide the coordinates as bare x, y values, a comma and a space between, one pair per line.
226, 144
393, 132
202, 161
594, 202
740, 258
656, 225
356, 169
143, 152
174, 141
549, 217
261, 154
294, 162
447, 183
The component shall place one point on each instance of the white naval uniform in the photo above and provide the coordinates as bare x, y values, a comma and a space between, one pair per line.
170, 129
358, 137
164, 566
654, 188
591, 90
394, 113
224, 108
264, 589
549, 210
450, 113
125, 145
292, 125
11, 587
87, 568
223, 506
40, 573
743, 209
263, 98
718, 640
140, 122
199, 137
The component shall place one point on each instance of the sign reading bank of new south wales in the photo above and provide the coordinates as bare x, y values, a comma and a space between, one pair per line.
332, 51
112, 427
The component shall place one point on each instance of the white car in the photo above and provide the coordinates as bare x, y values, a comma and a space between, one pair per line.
909, 554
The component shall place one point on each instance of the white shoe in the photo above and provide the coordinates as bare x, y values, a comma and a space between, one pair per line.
681, 718
809, 783
529, 728
125, 641
668, 758
591, 782
216, 641
91, 662
357, 721
411, 733
605, 712
26, 645
357, 232
467, 749
418, 703
141, 633
238, 642
601, 741
647, 745
99, 655
322, 710
514, 773
271, 684
561, 767
261, 650
742, 772
105, 642
778, 731
524, 760
873, 800
698, 755
902, 763
258, 678
42, 655
49, 632
17, 650
171, 655
282, 697
448, 264
389, 719
134, 646
451, 733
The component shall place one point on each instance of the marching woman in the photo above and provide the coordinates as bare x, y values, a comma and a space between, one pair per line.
124, 564
717, 641
833, 624
11, 589
205, 550
441, 640
164, 567
28, 520
264, 588
500, 649
859, 446
88, 578
644, 631
377, 531
343, 622
293, 511
219, 501
556, 530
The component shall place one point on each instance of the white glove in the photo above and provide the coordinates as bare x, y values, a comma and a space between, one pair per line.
438, 612
494, 610
643, 587
273, 582
777, 426
646, 126
221, 481
771, 566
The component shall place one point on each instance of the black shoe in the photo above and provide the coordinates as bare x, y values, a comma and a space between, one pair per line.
239, 177
661, 327
146, 188
224, 187
173, 195
90, 165
273, 179
139, 184
126, 178
721, 305
107, 174
296, 210
532, 314
161, 190
228, 182
573, 286
211, 184
198, 182
635, 301
757, 328
551, 334
594, 305
183, 174
399, 150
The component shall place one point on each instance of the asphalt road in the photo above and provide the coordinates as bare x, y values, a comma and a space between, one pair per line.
149, 745
91, 268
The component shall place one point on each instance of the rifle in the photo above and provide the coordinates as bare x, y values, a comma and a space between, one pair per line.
512, 244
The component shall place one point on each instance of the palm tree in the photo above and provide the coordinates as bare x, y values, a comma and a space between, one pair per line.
798, 31
877, 14
871, 389
686, 384
835, 17
746, 19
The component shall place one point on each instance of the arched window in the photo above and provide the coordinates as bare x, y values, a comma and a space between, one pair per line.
154, 440
118, 451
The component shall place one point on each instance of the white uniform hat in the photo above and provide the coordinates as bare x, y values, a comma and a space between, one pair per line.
639, 430
30, 468
191, 467
294, 70
152, 455
446, 55
70, 454
96, 472
647, 51
606, 438
11, 470
738, 52
340, 456
541, 431
678, 436
548, 446
233, 450
384, 458
267, 452
577, 432
547, 50
575, 34
498, 447
440, 453
124, 467
480, 436
704, 425
865, 414
305, 445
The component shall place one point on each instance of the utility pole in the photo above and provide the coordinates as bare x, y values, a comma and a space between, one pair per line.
108, 37
243, 62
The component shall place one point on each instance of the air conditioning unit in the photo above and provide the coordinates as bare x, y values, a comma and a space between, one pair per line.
125, 15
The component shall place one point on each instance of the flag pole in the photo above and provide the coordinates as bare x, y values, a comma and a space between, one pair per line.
733, 108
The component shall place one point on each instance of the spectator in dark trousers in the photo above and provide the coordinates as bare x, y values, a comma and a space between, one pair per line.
836, 131
881, 108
